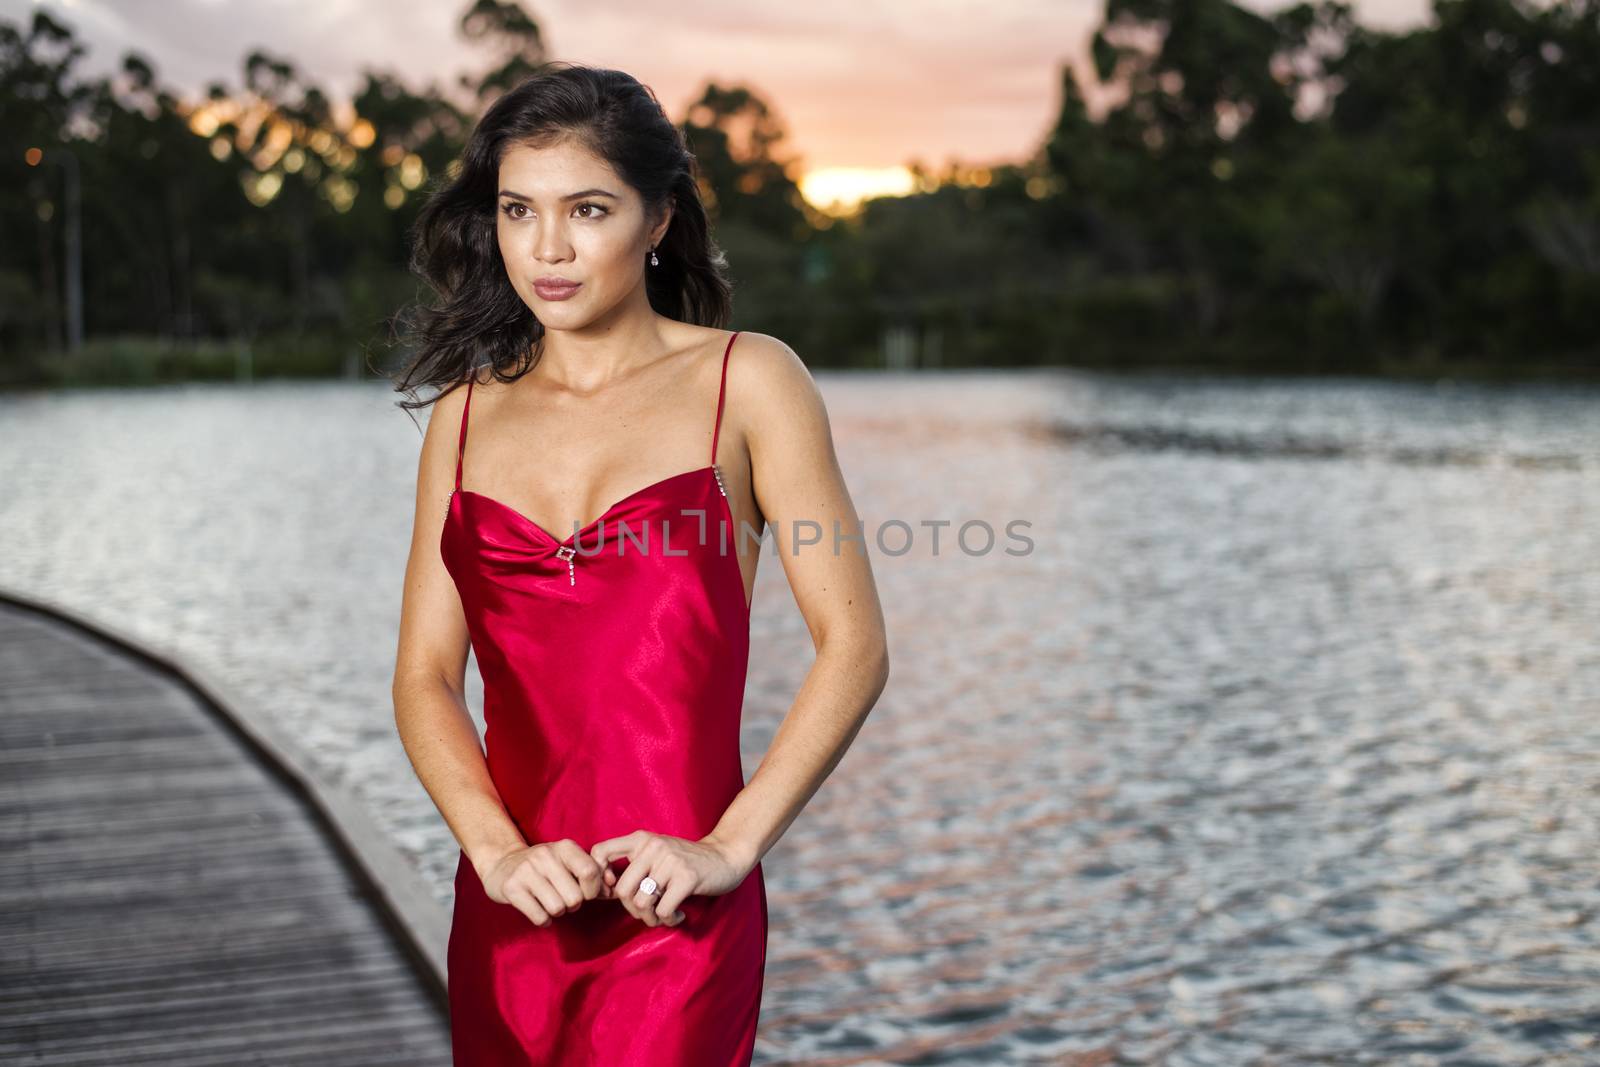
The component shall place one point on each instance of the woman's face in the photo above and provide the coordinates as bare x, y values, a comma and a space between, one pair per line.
563, 215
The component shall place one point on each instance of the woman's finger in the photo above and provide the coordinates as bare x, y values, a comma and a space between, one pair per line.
560, 882
547, 896
552, 867
627, 888
521, 898
588, 873
614, 848
666, 905
636, 871
645, 903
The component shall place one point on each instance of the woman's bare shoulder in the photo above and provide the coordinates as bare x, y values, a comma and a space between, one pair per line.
444, 414
441, 436
768, 368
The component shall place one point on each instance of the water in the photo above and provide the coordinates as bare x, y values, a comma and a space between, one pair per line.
1280, 746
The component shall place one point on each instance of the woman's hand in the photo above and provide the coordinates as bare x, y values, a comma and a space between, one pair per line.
547, 880
679, 866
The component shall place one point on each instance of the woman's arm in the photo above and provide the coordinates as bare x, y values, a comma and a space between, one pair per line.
797, 483
430, 709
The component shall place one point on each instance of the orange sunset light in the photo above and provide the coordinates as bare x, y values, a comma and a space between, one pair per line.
840, 190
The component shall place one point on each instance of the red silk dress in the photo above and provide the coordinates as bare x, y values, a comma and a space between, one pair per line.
613, 667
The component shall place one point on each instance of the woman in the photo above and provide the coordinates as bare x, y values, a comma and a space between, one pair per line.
610, 905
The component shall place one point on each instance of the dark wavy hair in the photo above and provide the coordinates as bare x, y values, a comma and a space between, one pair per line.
477, 319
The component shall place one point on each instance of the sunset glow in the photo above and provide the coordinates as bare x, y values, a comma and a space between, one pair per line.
840, 190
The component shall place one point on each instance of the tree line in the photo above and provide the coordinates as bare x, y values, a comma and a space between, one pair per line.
1285, 192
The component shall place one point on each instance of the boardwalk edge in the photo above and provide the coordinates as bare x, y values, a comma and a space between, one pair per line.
388, 879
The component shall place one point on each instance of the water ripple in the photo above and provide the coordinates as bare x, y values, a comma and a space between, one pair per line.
1279, 747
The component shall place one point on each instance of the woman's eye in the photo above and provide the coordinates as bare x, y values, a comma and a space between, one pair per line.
595, 210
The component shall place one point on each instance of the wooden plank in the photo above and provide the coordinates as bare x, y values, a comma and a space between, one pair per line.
167, 892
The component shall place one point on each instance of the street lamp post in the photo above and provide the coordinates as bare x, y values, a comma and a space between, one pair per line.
73, 237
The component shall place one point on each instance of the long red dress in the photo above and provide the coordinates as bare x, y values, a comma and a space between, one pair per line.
613, 684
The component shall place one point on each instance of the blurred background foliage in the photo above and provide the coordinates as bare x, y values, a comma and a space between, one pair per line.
1291, 192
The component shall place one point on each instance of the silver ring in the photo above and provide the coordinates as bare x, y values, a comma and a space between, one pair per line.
648, 886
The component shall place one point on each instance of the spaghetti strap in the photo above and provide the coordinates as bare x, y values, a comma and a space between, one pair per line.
721, 388
461, 445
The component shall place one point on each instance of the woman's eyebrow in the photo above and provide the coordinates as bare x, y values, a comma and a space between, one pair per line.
569, 196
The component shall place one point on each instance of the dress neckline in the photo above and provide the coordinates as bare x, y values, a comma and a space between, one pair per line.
527, 525
716, 432
591, 524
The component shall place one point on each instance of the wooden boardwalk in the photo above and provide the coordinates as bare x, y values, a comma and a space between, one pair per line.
166, 896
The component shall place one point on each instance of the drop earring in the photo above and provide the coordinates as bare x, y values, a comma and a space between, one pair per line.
654, 262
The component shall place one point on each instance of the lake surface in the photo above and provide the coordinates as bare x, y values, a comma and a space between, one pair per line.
1280, 744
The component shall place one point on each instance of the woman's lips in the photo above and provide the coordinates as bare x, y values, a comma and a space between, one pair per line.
555, 292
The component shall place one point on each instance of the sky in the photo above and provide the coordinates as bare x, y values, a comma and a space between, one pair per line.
862, 86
